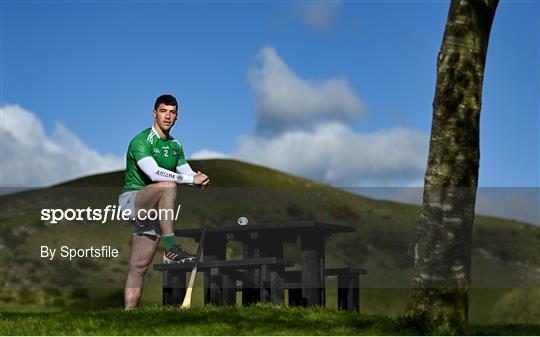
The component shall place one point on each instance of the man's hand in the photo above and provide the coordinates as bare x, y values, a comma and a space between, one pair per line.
201, 179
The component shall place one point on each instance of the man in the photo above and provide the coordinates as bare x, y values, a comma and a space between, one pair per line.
155, 164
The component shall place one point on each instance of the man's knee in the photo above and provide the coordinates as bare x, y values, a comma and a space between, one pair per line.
139, 269
151, 195
170, 184
165, 186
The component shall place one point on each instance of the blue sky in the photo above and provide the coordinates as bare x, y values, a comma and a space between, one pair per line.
87, 73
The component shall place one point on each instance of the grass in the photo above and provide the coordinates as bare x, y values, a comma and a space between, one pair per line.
209, 320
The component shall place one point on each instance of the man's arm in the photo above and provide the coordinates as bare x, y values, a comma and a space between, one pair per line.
199, 178
149, 166
182, 167
185, 169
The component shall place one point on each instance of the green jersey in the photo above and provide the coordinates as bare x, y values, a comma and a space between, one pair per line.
167, 153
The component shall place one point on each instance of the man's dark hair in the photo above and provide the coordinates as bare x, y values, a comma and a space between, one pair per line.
167, 100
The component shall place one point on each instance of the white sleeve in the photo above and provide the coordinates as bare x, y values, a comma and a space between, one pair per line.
185, 169
149, 166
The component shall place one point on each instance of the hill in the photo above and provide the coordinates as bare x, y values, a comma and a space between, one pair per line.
506, 263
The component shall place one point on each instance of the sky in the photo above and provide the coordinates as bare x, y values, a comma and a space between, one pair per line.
340, 92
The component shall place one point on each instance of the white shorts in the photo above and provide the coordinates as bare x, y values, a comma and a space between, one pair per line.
127, 201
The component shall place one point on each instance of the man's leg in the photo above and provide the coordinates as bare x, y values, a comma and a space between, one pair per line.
143, 249
158, 196
162, 197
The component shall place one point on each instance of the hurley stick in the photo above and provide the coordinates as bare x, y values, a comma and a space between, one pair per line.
187, 299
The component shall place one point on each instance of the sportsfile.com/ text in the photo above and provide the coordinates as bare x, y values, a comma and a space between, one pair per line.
110, 212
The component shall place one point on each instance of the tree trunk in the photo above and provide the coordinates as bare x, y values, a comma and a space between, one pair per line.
439, 297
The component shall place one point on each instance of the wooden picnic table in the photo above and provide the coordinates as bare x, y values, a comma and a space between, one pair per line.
263, 262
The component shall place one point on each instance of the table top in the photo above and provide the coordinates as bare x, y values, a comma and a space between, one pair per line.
296, 227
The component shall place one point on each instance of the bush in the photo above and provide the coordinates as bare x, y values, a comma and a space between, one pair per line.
521, 305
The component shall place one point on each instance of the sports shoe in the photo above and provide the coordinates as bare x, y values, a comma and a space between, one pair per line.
177, 255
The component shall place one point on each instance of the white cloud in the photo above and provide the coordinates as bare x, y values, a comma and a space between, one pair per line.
286, 101
319, 15
333, 153
309, 136
31, 158
208, 154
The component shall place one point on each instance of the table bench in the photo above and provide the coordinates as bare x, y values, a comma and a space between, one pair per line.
265, 282
348, 284
174, 277
174, 281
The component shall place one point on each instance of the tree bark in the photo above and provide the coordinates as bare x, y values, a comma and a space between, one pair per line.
439, 298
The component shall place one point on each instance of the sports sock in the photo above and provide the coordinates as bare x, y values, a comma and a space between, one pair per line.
169, 240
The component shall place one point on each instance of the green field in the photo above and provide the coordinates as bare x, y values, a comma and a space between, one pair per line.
255, 320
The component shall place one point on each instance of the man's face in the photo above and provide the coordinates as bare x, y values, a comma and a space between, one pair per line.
165, 116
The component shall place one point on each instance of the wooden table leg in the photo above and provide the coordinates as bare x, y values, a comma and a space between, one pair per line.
313, 264
348, 291
214, 248
277, 286
272, 277
295, 297
215, 289
264, 292
167, 289
174, 287
229, 287
250, 286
